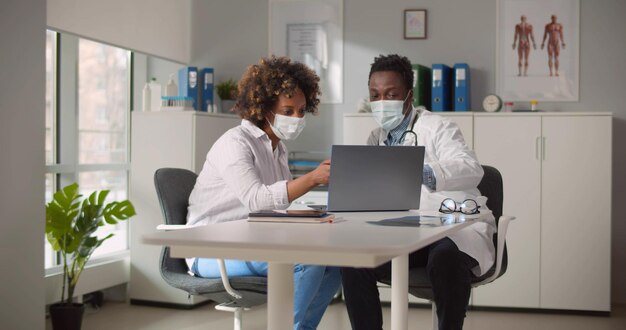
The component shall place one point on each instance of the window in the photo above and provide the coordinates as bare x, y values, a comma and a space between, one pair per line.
87, 124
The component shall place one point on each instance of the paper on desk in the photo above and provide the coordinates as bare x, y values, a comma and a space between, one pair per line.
416, 221
171, 227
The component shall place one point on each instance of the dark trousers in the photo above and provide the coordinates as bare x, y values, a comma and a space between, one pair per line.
449, 271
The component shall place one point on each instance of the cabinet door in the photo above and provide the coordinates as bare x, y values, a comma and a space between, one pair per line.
207, 129
357, 128
159, 139
576, 213
510, 144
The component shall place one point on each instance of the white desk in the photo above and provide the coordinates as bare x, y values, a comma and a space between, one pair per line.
350, 241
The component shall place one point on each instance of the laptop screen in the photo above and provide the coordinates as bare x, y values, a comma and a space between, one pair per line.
375, 178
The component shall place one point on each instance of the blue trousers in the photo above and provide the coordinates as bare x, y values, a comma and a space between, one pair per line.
314, 286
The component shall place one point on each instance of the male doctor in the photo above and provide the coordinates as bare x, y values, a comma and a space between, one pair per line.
451, 170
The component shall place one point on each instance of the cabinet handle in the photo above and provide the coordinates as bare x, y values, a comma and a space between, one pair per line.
543, 148
537, 147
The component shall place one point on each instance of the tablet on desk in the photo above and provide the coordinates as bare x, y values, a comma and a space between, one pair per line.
289, 213
296, 216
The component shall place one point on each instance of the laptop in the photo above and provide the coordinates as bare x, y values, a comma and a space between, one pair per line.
375, 178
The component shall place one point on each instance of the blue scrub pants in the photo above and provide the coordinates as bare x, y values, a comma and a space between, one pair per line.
314, 286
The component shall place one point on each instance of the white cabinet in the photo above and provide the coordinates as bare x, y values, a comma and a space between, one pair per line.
357, 126
557, 180
163, 139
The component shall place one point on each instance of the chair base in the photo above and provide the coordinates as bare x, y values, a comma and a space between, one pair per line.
234, 308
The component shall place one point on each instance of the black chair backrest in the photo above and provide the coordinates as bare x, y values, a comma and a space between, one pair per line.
491, 186
173, 187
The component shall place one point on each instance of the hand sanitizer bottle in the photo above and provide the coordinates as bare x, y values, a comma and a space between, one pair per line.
171, 89
147, 98
155, 90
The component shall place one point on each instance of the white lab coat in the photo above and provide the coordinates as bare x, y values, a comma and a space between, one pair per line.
457, 172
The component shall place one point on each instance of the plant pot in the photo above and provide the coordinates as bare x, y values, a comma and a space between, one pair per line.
227, 105
66, 317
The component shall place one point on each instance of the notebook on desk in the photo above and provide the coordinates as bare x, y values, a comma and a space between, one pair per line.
375, 178
295, 216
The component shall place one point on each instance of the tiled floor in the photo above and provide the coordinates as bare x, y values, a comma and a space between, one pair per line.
114, 315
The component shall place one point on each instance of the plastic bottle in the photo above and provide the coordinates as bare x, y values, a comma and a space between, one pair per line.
155, 90
171, 89
147, 98
533, 105
508, 106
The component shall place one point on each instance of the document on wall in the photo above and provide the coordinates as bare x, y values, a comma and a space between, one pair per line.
306, 43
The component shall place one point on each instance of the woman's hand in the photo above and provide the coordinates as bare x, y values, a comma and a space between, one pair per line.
321, 173
303, 184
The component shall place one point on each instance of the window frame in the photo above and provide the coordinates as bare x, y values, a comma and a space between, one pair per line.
66, 168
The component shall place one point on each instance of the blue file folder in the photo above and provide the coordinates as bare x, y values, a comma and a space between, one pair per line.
461, 87
188, 85
207, 89
441, 93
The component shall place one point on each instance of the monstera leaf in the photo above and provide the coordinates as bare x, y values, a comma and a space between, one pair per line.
71, 226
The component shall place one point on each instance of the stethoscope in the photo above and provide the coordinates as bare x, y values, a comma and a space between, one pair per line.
402, 137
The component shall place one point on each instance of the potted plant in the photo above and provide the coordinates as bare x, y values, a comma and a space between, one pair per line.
227, 91
70, 229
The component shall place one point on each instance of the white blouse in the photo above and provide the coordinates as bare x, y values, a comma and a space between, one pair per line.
241, 174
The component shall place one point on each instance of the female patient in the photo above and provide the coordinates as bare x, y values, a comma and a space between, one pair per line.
246, 170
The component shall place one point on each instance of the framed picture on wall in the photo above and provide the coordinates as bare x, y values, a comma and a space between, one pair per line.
415, 24
537, 50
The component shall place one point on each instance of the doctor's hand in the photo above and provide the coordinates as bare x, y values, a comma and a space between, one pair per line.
322, 172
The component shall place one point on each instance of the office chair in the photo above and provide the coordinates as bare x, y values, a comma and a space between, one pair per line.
491, 187
173, 187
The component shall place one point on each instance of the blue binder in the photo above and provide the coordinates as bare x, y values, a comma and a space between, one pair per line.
206, 76
441, 93
188, 85
461, 87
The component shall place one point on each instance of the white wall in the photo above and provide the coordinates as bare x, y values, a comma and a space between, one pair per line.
155, 27
228, 35
458, 31
22, 218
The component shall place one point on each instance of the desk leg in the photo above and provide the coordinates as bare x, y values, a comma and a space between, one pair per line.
280, 296
399, 292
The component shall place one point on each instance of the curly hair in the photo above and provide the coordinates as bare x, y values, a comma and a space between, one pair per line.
395, 63
262, 84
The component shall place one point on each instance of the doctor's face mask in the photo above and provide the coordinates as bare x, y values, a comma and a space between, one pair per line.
388, 113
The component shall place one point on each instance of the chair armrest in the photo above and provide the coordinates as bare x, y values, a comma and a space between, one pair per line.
171, 227
503, 225
225, 281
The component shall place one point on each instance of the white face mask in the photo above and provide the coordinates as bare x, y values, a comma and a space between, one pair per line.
388, 113
286, 127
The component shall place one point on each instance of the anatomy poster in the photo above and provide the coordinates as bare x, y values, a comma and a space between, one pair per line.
537, 50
